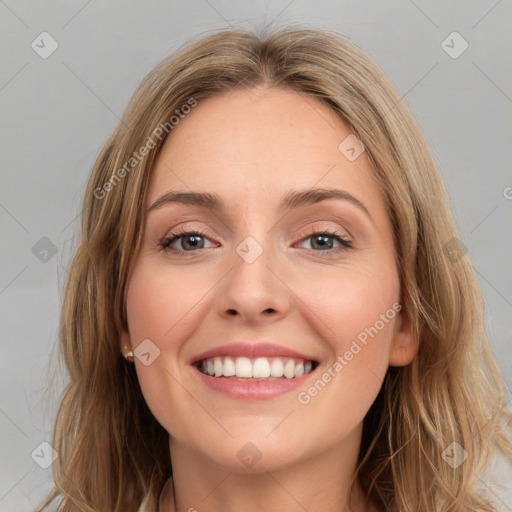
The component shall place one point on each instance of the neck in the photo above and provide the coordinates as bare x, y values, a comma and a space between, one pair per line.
321, 483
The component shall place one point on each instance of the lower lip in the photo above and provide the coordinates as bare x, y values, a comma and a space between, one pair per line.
252, 390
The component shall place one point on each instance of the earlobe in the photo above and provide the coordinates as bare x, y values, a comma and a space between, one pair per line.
401, 355
124, 342
126, 347
404, 346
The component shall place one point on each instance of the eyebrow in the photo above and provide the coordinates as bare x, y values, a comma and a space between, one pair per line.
293, 199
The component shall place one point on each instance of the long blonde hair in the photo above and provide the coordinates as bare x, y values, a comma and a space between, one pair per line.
111, 450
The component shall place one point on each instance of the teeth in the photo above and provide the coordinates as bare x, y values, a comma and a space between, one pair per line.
229, 367
289, 369
299, 370
277, 368
259, 368
218, 366
243, 367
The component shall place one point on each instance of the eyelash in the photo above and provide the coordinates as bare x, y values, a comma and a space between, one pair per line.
165, 242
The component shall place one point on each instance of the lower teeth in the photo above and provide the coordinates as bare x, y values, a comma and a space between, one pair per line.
254, 379
249, 378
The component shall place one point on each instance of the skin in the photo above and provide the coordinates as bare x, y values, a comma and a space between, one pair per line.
251, 147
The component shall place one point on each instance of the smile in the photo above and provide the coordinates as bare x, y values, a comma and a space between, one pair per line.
255, 369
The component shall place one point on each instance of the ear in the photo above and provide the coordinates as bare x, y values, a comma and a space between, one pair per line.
125, 344
404, 345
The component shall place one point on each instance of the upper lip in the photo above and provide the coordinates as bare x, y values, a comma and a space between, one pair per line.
251, 350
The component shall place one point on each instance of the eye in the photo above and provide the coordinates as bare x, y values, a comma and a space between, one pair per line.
190, 240
193, 240
324, 240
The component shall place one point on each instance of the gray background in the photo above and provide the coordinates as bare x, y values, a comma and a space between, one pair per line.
57, 112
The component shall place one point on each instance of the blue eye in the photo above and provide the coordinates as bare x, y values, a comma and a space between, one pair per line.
325, 241
192, 241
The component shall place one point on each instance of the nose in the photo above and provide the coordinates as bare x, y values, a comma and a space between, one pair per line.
254, 290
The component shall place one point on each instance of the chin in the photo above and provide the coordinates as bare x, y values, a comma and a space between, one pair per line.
247, 457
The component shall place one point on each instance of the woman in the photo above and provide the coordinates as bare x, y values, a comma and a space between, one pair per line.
266, 240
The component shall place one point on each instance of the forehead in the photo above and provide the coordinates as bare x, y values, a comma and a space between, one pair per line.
258, 144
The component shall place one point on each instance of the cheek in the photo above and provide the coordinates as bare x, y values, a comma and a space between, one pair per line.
349, 381
364, 324
355, 312
153, 310
160, 304
164, 306
355, 304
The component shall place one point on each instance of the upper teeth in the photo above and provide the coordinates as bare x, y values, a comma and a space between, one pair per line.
259, 368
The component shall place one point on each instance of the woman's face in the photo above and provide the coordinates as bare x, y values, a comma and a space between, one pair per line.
266, 280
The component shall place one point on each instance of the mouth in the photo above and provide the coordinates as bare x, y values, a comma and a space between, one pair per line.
252, 371
260, 369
